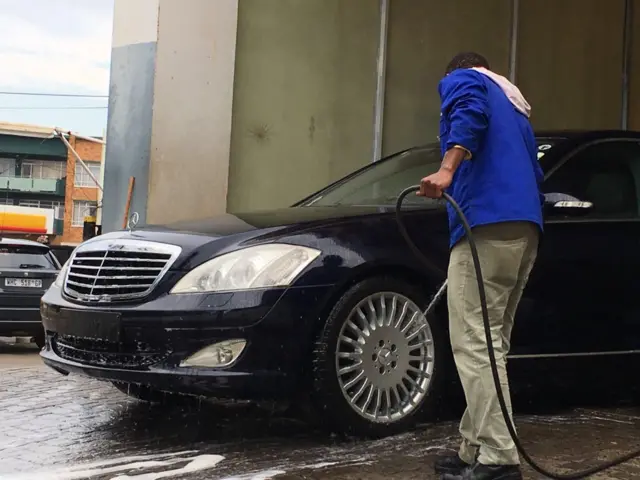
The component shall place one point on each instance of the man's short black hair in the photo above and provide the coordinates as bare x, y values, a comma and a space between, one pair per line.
467, 60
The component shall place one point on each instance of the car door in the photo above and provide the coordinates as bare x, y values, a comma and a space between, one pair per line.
583, 295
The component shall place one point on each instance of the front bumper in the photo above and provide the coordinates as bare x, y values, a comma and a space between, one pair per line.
153, 338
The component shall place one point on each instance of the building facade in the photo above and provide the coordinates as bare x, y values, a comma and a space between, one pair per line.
43, 189
233, 105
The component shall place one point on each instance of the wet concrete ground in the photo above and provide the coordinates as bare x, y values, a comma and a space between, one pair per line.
64, 428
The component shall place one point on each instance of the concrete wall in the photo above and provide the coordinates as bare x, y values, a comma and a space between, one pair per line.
191, 126
130, 109
303, 97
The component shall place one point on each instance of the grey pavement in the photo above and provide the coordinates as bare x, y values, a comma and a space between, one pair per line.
64, 428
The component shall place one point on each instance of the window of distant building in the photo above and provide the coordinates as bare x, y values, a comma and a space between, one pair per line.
43, 169
83, 179
81, 209
38, 203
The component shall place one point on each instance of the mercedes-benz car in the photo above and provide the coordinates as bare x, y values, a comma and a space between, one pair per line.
27, 270
324, 298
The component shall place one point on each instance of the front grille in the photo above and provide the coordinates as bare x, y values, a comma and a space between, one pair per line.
108, 271
101, 353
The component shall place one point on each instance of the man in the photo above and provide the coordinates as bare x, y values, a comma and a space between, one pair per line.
490, 168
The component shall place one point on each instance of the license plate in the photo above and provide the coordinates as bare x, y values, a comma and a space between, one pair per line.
23, 282
96, 325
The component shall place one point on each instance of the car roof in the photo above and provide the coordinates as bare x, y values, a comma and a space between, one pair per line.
22, 243
572, 136
586, 134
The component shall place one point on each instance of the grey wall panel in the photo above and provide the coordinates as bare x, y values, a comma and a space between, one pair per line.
128, 131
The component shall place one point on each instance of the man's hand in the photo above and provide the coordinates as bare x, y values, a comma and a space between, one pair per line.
433, 185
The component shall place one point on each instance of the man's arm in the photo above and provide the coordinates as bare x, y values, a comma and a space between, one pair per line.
463, 96
464, 104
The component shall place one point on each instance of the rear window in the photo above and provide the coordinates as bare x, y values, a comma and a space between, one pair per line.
25, 258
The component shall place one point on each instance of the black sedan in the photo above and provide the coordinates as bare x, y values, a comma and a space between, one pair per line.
325, 299
27, 270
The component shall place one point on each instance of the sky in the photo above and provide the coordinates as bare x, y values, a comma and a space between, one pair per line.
56, 46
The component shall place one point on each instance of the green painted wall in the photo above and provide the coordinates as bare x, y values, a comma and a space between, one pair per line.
306, 75
304, 93
424, 36
570, 62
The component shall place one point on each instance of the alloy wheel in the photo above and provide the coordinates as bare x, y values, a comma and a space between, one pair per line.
385, 357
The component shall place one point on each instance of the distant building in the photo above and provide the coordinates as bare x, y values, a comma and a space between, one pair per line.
44, 190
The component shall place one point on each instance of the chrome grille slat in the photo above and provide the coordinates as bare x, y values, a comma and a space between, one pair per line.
94, 267
103, 271
121, 259
115, 277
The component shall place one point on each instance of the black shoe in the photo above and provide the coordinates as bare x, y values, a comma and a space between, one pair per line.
452, 464
479, 471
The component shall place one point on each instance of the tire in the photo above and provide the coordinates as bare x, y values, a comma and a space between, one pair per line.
384, 358
39, 340
151, 395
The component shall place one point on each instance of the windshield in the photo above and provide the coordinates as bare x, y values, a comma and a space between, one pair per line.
25, 258
381, 183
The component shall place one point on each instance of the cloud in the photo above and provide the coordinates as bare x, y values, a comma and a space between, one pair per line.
55, 46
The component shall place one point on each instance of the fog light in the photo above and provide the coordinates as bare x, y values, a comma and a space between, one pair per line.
220, 354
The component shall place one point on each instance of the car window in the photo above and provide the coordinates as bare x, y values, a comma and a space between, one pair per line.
606, 174
381, 184
25, 258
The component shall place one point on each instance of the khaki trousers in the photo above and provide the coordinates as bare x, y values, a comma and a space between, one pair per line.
507, 253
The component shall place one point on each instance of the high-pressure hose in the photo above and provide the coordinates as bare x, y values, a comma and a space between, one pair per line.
487, 329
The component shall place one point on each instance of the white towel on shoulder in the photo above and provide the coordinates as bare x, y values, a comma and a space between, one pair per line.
510, 90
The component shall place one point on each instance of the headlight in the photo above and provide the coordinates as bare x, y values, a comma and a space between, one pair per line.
262, 266
59, 282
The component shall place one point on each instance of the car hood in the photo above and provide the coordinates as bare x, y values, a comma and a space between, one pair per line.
200, 239
193, 234
230, 224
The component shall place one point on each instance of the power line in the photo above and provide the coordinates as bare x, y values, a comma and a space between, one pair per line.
43, 94
53, 108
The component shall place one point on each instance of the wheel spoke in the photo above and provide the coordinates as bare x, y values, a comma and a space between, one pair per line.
396, 394
422, 357
412, 320
354, 380
420, 372
350, 368
414, 383
349, 355
356, 329
367, 402
417, 331
383, 311
357, 345
372, 314
387, 395
392, 314
360, 391
365, 322
403, 313
378, 403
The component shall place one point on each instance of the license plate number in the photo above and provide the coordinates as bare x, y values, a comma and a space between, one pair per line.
89, 324
23, 282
